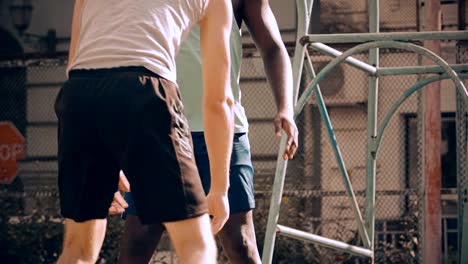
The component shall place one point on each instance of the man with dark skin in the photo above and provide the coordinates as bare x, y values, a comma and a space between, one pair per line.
237, 237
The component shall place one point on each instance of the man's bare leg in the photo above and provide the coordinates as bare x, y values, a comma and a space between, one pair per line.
139, 242
238, 239
193, 240
82, 241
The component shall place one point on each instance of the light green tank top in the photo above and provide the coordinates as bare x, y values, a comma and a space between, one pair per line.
189, 79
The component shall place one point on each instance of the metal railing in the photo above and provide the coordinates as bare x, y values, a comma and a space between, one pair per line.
375, 40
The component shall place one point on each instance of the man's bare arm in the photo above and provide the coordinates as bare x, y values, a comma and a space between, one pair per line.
215, 30
264, 30
75, 29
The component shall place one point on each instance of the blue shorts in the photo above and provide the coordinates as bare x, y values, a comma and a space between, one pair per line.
241, 186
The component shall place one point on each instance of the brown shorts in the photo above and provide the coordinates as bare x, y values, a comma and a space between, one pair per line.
130, 119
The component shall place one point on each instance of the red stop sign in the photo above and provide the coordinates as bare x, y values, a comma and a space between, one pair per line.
12, 149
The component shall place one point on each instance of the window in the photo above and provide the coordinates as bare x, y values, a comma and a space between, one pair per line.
448, 152
449, 177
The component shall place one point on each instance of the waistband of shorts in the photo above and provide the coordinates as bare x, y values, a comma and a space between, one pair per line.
139, 70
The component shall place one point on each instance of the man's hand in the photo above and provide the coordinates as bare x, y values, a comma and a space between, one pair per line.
124, 185
119, 204
218, 207
286, 123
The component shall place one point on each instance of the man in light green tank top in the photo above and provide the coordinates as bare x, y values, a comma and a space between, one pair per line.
238, 235
191, 83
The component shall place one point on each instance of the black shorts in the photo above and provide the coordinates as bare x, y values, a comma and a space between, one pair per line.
130, 119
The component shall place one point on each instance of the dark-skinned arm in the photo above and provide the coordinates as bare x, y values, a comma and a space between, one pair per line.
263, 27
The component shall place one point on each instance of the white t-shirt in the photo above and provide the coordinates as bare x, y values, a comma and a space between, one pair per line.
144, 33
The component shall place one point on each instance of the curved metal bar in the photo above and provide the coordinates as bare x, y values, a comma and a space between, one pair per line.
379, 44
313, 87
303, 16
401, 100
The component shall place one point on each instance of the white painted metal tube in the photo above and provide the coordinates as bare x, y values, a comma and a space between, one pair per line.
323, 241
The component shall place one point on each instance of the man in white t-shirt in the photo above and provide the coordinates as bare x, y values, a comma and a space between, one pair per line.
121, 109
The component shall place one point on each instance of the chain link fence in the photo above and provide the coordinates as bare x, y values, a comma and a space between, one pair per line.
462, 147
315, 199
27, 211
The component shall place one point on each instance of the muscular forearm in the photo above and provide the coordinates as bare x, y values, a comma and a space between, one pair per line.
217, 94
262, 25
279, 74
218, 123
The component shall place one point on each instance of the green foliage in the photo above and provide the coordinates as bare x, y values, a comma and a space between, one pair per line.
404, 248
